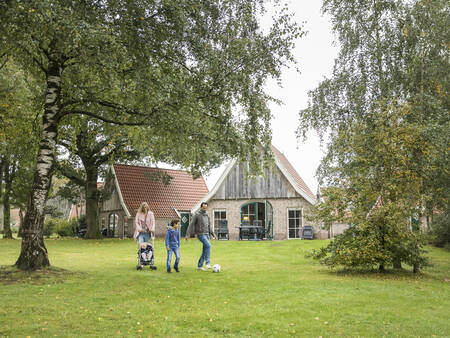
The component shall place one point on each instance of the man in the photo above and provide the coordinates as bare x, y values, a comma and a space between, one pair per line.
201, 227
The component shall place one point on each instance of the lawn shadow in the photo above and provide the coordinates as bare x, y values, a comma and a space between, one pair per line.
387, 275
12, 275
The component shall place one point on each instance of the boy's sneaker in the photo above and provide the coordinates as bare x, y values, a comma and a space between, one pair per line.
168, 271
208, 266
177, 270
201, 268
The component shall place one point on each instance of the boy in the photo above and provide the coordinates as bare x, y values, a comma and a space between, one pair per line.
173, 244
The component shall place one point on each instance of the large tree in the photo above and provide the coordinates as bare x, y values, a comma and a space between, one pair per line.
17, 137
385, 110
192, 72
90, 145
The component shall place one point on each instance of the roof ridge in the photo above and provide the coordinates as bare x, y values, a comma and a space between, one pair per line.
295, 175
143, 166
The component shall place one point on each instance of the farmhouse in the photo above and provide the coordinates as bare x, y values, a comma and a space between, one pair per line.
277, 200
169, 193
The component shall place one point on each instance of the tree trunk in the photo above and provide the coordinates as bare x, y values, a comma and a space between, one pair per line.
21, 221
7, 233
33, 254
397, 263
93, 231
1, 190
416, 268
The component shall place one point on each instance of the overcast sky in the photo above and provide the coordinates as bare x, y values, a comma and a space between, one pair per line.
315, 54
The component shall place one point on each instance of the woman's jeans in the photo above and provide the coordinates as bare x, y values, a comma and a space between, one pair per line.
206, 252
176, 252
143, 237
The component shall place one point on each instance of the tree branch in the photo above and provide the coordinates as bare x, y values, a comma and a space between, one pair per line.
101, 118
71, 175
4, 55
38, 62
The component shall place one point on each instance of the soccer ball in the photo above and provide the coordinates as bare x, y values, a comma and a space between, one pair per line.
216, 268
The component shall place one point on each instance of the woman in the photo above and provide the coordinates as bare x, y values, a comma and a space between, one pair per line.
145, 223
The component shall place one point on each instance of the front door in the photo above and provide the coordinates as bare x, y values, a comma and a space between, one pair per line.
184, 222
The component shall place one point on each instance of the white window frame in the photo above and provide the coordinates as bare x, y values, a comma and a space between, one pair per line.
214, 217
287, 221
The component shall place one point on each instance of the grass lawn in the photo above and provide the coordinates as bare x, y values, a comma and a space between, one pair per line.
264, 289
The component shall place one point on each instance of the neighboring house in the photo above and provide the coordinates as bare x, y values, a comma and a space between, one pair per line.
278, 200
60, 206
79, 209
14, 219
130, 185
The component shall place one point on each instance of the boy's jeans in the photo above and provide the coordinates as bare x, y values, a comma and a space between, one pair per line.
206, 252
176, 251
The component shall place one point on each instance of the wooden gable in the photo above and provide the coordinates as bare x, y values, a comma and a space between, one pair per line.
273, 184
113, 202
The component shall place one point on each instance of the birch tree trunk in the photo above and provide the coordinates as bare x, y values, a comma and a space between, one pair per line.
33, 253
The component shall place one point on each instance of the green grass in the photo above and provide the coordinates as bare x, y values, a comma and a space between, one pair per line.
264, 289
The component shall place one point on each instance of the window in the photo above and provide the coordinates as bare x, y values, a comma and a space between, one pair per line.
112, 225
295, 223
219, 215
248, 213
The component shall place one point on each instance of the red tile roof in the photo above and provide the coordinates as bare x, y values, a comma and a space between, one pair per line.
182, 193
290, 169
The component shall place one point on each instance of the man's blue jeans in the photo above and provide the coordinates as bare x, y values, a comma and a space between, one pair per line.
206, 252
176, 251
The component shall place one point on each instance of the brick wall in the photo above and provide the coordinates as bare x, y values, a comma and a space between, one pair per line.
280, 214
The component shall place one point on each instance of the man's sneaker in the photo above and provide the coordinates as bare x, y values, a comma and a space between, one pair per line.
208, 266
177, 270
201, 268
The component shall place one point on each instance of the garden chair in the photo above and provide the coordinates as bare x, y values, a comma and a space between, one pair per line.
223, 230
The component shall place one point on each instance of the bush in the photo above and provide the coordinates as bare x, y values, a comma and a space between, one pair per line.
64, 228
440, 230
82, 222
381, 240
49, 227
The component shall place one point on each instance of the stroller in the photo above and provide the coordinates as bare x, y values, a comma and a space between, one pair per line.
146, 255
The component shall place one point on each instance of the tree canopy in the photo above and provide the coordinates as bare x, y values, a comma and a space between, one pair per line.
190, 73
385, 111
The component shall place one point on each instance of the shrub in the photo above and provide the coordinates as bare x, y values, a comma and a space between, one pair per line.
381, 240
64, 228
82, 223
49, 227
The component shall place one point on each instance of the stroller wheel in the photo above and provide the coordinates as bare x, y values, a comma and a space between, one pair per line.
138, 267
152, 267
